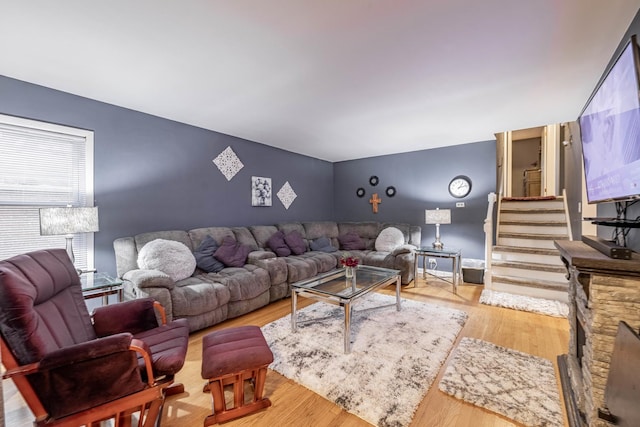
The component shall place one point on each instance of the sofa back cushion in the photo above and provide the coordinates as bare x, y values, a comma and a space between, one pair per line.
262, 233
198, 235
317, 229
368, 231
351, 242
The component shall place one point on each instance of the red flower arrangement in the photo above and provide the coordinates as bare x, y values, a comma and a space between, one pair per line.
349, 261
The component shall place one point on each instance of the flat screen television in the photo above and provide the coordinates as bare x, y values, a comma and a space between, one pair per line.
610, 132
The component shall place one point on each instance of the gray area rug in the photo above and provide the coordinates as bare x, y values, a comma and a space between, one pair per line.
517, 385
394, 359
524, 303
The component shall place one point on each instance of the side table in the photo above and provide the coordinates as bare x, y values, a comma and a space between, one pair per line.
429, 252
96, 285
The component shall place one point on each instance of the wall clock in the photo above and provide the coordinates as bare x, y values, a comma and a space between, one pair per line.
460, 186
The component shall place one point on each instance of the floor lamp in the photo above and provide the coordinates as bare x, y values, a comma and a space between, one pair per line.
438, 216
68, 221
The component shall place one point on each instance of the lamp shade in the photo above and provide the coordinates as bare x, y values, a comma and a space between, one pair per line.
68, 220
437, 216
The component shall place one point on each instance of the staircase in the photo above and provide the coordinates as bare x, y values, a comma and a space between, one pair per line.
525, 260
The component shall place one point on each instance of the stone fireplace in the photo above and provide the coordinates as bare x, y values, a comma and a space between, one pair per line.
603, 292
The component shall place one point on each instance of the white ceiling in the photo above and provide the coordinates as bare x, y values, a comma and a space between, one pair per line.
332, 79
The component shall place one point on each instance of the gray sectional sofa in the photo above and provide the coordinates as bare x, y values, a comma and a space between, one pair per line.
206, 298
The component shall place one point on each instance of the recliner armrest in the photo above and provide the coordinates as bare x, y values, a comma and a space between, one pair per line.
88, 350
133, 316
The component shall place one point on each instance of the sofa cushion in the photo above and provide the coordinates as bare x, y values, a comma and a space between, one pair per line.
172, 258
204, 256
277, 244
232, 253
351, 242
389, 239
293, 239
322, 244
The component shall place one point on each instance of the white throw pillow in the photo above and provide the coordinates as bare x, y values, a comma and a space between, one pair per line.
171, 257
389, 239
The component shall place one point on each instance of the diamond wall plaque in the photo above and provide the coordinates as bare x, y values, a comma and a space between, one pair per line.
228, 163
287, 195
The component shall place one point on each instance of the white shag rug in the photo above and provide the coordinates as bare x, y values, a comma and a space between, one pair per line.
517, 385
524, 303
395, 356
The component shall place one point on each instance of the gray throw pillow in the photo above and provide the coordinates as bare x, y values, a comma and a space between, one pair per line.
322, 244
232, 253
204, 256
277, 244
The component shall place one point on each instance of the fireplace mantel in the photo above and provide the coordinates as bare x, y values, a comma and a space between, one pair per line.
602, 292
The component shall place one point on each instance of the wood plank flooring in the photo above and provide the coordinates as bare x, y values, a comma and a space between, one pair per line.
294, 405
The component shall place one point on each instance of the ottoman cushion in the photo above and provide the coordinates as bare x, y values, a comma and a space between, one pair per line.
232, 350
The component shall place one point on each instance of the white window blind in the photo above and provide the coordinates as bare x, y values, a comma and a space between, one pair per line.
42, 165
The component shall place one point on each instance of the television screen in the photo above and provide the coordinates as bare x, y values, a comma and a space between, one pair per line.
610, 133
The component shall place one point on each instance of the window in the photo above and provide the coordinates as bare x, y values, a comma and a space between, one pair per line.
42, 165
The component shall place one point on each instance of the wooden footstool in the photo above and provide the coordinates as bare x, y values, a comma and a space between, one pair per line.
231, 356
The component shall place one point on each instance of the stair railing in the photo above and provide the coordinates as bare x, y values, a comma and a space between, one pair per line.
488, 240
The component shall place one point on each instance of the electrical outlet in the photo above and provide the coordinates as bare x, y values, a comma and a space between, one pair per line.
431, 260
459, 204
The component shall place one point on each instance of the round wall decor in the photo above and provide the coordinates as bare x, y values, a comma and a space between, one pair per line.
360, 192
373, 180
460, 186
390, 191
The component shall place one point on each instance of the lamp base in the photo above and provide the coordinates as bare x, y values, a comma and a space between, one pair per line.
438, 245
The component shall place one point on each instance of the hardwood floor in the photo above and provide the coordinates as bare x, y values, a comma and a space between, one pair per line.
294, 405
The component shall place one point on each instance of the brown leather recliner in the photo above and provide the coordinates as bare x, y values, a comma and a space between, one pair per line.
70, 370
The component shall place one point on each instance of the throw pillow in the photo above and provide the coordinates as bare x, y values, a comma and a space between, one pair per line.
172, 258
204, 256
232, 253
295, 242
277, 244
322, 244
351, 242
389, 239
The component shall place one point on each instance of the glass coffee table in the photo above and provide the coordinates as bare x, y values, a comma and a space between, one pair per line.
335, 288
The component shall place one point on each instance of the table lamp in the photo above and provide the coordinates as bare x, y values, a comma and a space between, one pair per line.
438, 216
68, 221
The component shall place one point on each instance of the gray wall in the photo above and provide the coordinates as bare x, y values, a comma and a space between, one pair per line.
421, 179
156, 174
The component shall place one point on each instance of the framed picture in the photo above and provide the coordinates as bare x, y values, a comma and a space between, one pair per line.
260, 191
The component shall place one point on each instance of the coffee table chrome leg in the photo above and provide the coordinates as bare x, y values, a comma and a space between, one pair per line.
454, 271
294, 314
347, 328
398, 285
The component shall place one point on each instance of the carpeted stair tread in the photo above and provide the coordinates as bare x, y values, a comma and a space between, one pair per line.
535, 251
530, 236
539, 284
534, 223
531, 211
530, 266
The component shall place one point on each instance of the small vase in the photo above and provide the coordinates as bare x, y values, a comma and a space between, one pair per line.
348, 272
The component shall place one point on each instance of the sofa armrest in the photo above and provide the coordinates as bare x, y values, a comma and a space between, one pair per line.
403, 249
131, 316
276, 266
149, 279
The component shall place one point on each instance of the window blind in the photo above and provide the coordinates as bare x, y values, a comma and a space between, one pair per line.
42, 165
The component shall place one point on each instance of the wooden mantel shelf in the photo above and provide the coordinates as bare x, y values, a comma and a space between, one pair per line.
587, 259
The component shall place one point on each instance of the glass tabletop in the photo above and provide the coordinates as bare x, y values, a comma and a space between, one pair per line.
97, 281
335, 283
434, 251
